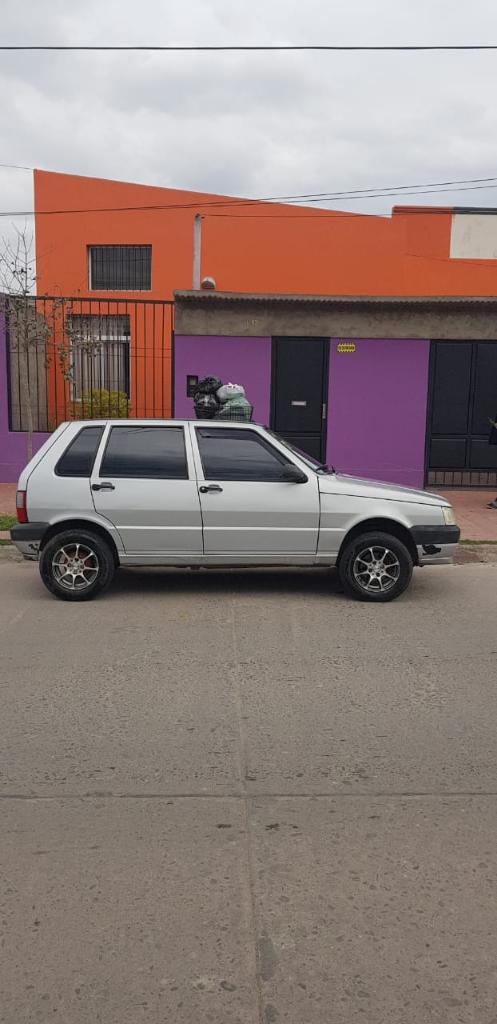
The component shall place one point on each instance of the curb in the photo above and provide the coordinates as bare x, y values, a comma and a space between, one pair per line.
9, 553
468, 554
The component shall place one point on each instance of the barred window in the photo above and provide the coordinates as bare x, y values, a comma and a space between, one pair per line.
120, 267
99, 353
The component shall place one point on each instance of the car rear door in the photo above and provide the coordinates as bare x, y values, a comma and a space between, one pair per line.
248, 512
144, 483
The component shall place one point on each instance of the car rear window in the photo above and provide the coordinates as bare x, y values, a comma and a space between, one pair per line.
145, 453
79, 456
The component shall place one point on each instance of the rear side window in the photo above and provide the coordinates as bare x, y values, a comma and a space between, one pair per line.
79, 457
145, 453
238, 455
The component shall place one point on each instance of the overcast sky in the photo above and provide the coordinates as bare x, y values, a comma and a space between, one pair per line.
252, 124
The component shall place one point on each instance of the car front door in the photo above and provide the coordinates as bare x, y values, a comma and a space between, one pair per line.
144, 483
249, 512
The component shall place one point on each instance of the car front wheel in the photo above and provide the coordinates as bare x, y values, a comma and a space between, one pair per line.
375, 567
76, 565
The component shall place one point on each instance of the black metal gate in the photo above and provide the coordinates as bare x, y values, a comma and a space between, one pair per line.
87, 358
462, 401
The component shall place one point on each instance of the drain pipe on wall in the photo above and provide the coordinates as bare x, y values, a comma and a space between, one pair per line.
197, 250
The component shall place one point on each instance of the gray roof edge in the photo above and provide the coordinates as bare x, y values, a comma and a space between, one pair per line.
490, 211
225, 298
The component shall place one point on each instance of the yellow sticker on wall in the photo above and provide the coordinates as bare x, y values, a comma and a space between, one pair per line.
346, 346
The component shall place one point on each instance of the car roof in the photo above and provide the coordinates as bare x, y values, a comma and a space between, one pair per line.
157, 421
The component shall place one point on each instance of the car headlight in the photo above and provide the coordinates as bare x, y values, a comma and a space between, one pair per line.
449, 516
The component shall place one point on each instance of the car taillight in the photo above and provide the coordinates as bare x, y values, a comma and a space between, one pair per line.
21, 507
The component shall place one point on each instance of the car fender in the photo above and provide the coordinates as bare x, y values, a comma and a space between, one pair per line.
341, 513
89, 518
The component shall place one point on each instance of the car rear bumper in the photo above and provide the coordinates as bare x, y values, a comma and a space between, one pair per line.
436, 545
27, 538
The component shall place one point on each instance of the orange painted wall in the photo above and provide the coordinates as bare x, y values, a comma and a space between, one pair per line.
261, 248
265, 248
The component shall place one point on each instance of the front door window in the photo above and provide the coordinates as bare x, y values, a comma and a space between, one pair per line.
239, 455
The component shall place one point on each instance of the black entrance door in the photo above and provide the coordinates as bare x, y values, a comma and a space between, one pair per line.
299, 392
463, 378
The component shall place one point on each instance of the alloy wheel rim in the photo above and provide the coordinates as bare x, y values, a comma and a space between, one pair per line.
75, 566
376, 569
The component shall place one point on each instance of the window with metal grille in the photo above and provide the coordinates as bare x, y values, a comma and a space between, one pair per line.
120, 267
99, 353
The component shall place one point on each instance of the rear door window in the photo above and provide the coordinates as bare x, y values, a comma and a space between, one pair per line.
238, 455
79, 456
145, 453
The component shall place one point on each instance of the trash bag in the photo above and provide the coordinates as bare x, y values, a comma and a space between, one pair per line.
206, 406
209, 385
229, 391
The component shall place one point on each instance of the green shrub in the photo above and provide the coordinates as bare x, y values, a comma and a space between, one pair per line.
100, 404
6, 521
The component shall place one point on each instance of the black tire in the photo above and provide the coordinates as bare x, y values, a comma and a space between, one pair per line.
376, 585
99, 569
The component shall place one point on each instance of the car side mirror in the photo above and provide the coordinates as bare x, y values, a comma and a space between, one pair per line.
293, 475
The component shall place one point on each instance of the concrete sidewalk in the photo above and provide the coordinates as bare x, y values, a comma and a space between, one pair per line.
8, 499
477, 522
7, 505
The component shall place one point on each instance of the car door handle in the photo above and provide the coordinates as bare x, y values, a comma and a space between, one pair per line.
103, 487
214, 488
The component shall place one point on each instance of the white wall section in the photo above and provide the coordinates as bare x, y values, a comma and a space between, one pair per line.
474, 236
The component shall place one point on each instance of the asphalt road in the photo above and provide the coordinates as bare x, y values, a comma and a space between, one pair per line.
244, 799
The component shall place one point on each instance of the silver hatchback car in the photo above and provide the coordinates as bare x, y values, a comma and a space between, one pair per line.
104, 494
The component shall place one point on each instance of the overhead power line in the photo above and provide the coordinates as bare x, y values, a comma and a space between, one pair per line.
383, 195
433, 188
256, 48
16, 167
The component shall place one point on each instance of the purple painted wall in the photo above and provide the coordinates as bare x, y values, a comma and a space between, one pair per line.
377, 409
12, 443
376, 404
244, 361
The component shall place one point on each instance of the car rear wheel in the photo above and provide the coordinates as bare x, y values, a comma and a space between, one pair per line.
375, 567
76, 565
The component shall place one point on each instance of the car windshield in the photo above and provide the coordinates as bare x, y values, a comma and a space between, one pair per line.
315, 464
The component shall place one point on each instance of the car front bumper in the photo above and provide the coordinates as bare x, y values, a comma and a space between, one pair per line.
436, 545
27, 538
